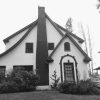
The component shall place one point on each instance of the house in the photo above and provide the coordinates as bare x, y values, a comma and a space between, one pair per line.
44, 46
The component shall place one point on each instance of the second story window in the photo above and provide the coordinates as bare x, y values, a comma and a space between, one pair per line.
67, 46
29, 48
50, 46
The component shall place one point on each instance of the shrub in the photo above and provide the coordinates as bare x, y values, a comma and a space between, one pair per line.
84, 87
55, 80
67, 87
2, 77
19, 80
8, 87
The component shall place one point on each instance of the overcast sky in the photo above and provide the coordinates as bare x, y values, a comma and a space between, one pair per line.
15, 14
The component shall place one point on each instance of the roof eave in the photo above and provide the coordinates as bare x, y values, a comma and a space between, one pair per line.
6, 40
80, 40
87, 60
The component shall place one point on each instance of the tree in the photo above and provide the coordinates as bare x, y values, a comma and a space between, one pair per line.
69, 24
98, 5
88, 44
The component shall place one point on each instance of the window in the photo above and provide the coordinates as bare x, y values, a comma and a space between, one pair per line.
29, 47
23, 67
67, 46
2, 69
69, 72
50, 46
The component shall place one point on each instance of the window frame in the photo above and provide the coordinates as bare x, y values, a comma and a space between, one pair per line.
51, 46
67, 46
23, 67
29, 49
3, 67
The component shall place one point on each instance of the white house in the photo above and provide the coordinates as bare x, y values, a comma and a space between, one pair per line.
45, 46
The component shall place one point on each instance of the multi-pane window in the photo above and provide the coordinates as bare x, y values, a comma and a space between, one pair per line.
23, 67
50, 46
2, 69
69, 72
67, 46
29, 48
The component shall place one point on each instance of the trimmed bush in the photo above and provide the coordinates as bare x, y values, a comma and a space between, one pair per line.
18, 81
67, 87
83, 88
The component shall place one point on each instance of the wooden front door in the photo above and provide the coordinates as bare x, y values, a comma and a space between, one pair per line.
69, 72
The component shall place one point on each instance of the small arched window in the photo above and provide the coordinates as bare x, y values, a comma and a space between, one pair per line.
67, 46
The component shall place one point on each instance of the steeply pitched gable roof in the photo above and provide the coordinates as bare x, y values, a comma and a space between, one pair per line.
23, 37
32, 25
86, 59
16, 33
75, 36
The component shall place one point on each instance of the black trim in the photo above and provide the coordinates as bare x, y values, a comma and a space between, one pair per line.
54, 25
86, 59
75, 36
42, 49
16, 44
75, 66
16, 33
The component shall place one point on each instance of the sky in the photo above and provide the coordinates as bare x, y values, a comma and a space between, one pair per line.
15, 14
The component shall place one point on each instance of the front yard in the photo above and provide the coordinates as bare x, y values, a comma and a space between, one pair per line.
46, 95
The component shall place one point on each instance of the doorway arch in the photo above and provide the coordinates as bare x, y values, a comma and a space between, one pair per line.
65, 60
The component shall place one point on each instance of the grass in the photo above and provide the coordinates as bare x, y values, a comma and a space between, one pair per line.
46, 95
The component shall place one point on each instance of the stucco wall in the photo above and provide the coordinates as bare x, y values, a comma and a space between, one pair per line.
13, 40
81, 66
52, 35
18, 56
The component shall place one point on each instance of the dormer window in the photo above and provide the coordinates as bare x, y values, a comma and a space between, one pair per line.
50, 46
29, 48
67, 46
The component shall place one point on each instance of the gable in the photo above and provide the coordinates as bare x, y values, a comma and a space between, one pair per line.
77, 39
73, 35
86, 58
74, 51
18, 56
21, 39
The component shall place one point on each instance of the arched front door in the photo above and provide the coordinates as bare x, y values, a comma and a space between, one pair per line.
68, 67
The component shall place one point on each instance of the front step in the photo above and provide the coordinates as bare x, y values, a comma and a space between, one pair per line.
46, 87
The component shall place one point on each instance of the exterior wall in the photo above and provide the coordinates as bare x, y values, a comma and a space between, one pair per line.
13, 40
82, 67
18, 56
52, 34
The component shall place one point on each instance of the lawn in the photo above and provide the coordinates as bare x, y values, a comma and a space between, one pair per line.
46, 95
